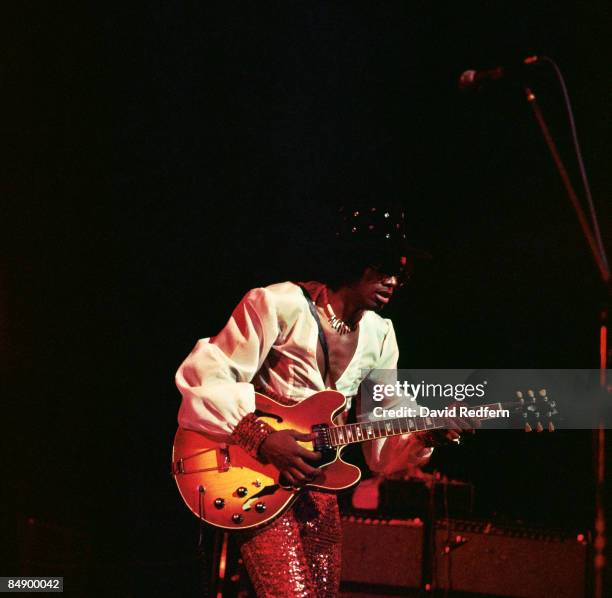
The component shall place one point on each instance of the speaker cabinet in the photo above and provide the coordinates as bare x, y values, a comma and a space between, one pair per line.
385, 557
382, 552
506, 561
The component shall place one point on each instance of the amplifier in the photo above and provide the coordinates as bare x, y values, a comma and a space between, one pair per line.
482, 558
471, 557
385, 552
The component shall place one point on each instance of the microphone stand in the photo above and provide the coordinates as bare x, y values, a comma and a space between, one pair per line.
599, 434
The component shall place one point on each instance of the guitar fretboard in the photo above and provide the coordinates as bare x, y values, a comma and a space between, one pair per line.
383, 428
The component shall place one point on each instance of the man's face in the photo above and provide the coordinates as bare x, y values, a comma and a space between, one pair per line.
374, 289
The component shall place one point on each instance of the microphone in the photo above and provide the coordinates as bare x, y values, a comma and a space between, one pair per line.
474, 80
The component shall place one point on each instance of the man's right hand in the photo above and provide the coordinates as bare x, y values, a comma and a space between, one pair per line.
282, 450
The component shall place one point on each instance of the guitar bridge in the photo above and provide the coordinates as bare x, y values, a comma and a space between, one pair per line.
322, 441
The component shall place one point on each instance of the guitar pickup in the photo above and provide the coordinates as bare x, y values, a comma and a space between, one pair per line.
322, 441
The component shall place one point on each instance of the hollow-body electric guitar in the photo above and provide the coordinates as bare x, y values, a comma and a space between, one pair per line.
224, 486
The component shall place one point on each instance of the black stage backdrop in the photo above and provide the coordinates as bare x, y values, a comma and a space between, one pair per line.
161, 160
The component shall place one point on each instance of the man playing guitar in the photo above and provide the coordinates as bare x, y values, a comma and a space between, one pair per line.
289, 341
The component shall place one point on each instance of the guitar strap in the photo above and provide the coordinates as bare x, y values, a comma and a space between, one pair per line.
322, 339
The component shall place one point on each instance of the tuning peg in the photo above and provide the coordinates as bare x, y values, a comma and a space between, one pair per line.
539, 427
528, 428
551, 427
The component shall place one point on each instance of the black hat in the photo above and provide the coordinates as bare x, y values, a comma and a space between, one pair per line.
379, 231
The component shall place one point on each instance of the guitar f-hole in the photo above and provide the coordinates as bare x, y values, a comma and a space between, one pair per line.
274, 416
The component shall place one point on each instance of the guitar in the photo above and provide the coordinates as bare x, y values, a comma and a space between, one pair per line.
224, 486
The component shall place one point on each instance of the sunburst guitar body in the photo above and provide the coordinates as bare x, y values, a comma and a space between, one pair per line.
224, 486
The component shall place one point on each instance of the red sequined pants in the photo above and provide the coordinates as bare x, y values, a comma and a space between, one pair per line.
297, 554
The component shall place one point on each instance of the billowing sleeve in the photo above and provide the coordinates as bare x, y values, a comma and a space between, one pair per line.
215, 379
401, 453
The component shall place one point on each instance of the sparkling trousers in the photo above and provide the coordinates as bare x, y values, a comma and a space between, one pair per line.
298, 554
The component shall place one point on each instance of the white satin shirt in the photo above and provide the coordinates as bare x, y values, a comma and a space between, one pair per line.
270, 343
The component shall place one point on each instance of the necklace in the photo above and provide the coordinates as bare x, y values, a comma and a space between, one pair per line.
340, 326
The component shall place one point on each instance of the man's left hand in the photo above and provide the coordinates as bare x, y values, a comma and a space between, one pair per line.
452, 430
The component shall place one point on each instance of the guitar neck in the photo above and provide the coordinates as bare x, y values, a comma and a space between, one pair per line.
384, 428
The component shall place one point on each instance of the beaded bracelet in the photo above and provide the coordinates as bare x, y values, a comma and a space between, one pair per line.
250, 433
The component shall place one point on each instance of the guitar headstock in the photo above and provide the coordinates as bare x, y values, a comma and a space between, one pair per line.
538, 411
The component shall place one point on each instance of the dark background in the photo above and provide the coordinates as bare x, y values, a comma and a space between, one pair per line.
162, 160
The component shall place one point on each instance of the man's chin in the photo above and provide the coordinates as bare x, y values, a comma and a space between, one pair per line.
377, 305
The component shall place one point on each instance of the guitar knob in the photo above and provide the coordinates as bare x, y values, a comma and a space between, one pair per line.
219, 503
260, 507
237, 518
241, 491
